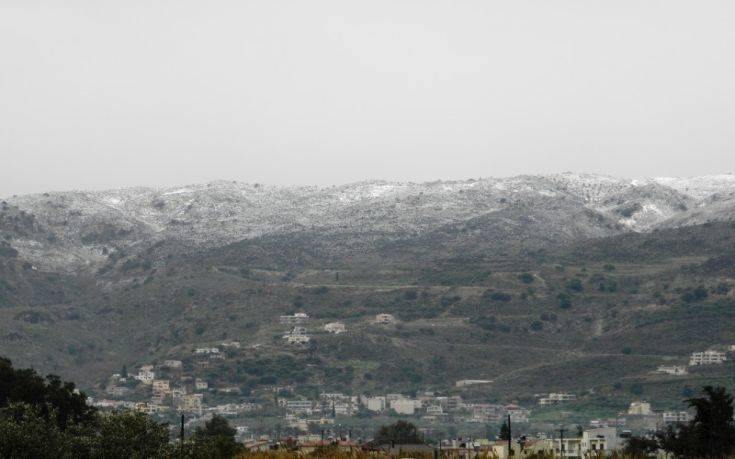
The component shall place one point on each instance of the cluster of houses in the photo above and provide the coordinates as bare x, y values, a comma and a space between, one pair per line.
301, 413
297, 334
593, 442
708, 357
656, 419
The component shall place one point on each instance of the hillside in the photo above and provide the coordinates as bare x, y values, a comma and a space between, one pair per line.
538, 283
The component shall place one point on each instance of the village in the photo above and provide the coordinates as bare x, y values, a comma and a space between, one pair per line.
272, 413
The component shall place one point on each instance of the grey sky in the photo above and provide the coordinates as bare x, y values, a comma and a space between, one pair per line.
97, 94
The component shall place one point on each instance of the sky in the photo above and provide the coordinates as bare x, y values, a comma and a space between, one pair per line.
99, 94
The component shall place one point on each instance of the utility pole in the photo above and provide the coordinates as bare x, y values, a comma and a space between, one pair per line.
181, 435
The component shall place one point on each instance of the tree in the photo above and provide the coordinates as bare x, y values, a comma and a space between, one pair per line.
216, 440
130, 435
710, 434
526, 278
504, 433
565, 301
400, 432
51, 394
640, 447
24, 432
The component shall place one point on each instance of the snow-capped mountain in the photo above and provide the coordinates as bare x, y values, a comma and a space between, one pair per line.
76, 229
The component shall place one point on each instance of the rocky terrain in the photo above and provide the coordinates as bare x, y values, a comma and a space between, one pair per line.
70, 231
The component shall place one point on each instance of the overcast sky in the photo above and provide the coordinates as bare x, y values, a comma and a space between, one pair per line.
97, 94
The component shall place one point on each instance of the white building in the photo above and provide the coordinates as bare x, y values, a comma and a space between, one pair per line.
206, 351
404, 406
471, 382
556, 397
384, 319
172, 364
146, 375
374, 403
517, 414
707, 358
335, 327
200, 384
674, 370
675, 416
600, 441
298, 318
639, 408
297, 336
300, 406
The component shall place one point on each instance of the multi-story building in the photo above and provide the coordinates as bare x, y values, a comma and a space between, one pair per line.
556, 397
707, 358
161, 387
600, 442
300, 406
404, 406
191, 403
374, 403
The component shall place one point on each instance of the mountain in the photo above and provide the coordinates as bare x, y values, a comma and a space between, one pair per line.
73, 231
530, 281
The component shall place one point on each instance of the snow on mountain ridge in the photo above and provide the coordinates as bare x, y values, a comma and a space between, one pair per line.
221, 212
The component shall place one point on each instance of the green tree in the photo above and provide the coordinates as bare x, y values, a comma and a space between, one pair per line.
216, 440
399, 432
130, 435
711, 434
640, 447
504, 433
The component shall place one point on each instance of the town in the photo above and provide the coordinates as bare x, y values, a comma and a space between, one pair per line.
269, 413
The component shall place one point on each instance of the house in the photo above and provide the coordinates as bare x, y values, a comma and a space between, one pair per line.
298, 340
200, 384
300, 406
556, 397
231, 344
707, 358
161, 387
335, 327
298, 318
675, 417
471, 382
118, 391
404, 406
146, 375
384, 319
517, 414
376, 404
297, 336
172, 364
642, 408
600, 442
674, 370
191, 403
206, 350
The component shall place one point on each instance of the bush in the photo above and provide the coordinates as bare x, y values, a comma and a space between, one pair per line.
526, 278
565, 301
